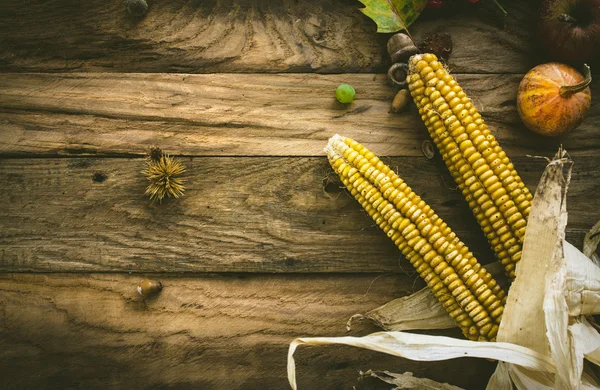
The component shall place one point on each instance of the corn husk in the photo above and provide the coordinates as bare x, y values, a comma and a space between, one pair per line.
423, 311
583, 282
590, 243
420, 310
544, 336
407, 381
428, 348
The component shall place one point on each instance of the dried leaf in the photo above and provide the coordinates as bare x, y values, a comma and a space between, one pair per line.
568, 359
428, 348
586, 340
407, 381
393, 15
536, 314
583, 283
594, 356
500, 380
420, 310
527, 379
523, 321
548, 289
591, 240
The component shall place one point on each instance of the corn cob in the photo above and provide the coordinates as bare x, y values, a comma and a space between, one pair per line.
466, 290
486, 177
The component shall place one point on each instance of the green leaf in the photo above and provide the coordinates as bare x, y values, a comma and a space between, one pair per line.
393, 15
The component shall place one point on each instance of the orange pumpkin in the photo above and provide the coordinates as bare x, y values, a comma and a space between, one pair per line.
554, 98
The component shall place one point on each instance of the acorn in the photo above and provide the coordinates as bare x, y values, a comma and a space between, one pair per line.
397, 74
148, 288
427, 149
136, 8
400, 47
401, 100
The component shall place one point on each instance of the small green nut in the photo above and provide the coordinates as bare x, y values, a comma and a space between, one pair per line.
345, 93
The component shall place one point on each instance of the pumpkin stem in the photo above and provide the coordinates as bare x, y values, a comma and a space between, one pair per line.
568, 90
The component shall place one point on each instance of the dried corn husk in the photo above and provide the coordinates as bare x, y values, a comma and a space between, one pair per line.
544, 336
407, 381
591, 241
583, 282
421, 310
428, 348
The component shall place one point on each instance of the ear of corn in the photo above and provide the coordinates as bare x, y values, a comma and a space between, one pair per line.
486, 177
466, 290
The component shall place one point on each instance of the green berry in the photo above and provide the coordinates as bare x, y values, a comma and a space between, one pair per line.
345, 93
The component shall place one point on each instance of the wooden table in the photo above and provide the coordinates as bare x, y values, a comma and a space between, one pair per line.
264, 246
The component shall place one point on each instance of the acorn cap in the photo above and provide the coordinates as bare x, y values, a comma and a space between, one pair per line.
400, 47
136, 8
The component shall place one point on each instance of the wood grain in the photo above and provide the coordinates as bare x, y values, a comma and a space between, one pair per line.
187, 36
252, 214
265, 246
213, 331
241, 114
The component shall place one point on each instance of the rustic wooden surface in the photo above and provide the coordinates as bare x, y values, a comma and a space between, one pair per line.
243, 214
209, 331
265, 245
241, 115
186, 36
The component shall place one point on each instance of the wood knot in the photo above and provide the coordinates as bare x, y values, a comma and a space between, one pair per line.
99, 177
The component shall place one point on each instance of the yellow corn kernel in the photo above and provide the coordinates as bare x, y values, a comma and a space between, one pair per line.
469, 294
486, 177
400, 194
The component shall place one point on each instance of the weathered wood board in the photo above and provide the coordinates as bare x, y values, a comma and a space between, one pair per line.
265, 246
242, 114
186, 36
211, 331
239, 214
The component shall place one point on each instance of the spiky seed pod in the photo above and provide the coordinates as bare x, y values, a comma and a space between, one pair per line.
163, 172
466, 290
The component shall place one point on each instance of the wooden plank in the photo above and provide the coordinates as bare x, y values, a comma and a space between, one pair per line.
230, 332
252, 214
240, 114
244, 36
